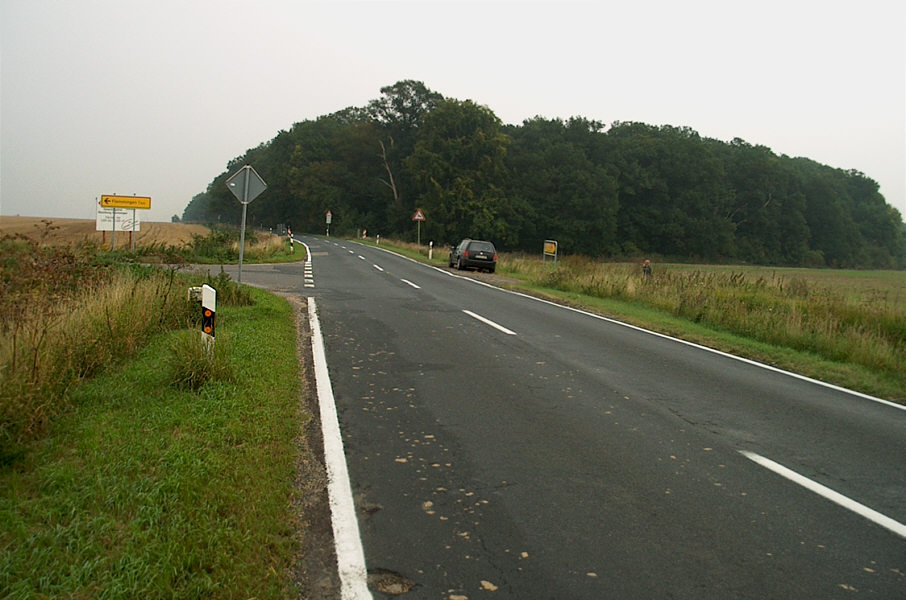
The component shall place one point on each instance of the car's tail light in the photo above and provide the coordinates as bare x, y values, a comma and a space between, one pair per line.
495, 256
465, 254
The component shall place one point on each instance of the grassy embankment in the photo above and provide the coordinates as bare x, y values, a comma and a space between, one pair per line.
842, 327
221, 245
133, 462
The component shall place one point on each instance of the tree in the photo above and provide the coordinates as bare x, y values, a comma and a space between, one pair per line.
459, 170
567, 196
633, 188
399, 112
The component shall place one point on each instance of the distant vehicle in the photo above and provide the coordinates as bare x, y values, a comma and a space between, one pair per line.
474, 254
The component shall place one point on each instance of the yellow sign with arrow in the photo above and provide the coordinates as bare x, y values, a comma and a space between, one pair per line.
126, 201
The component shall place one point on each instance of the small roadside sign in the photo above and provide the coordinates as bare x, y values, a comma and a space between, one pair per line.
328, 217
419, 215
143, 202
550, 250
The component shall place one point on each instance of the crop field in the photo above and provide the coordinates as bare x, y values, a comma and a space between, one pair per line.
64, 232
865, 286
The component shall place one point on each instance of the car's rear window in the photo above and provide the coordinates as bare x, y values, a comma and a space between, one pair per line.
481, 246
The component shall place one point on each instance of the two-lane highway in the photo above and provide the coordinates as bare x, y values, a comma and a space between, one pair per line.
503, 446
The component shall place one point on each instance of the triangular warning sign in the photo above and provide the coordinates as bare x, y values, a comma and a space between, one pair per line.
419, 215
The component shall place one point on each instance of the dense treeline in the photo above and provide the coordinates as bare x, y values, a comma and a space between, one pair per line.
626, 190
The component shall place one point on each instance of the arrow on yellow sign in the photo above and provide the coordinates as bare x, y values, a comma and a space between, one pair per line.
126, 201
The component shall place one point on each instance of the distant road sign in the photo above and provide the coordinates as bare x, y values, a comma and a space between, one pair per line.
419, 215
126, 202
329, 216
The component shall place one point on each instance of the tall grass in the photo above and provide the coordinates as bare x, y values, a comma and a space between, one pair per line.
264, 246
784, 310
221, 244
151, 490
193, 361
63, 319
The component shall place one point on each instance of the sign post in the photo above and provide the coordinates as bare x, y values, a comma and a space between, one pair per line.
328, 217
245, 184
418, 217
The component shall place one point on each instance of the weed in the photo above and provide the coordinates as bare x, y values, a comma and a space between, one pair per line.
194, 360
228, 291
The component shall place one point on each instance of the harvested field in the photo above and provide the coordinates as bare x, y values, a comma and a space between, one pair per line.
64, 232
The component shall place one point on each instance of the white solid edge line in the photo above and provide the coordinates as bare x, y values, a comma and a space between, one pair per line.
748, 361
665, 336
348, 541
489, 322
824, 491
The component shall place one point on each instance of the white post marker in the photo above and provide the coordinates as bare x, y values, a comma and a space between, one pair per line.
208, 311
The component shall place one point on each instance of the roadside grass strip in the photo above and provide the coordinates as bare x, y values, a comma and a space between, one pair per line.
144, 490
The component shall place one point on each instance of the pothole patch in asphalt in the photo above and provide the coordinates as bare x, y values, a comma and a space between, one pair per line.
389, 582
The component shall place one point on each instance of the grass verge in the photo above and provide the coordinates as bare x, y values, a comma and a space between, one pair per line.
147, 490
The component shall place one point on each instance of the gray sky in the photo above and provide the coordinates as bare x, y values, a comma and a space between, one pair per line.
154, 98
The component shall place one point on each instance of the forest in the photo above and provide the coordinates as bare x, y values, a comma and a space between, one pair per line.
620, 191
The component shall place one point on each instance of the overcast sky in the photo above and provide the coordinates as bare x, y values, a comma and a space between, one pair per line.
155, 97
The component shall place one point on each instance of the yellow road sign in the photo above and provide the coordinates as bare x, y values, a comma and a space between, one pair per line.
126, 201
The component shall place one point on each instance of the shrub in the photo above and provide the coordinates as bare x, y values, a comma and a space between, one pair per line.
228, 291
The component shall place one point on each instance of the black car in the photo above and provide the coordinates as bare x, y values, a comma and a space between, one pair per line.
474, 254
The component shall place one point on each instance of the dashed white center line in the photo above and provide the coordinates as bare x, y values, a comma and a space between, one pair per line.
407, 282
377, 267
489, 322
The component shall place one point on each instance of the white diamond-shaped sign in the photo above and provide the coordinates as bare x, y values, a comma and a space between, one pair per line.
246, 184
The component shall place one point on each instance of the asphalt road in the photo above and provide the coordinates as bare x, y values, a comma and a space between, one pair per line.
526, 450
